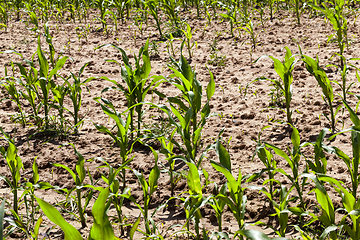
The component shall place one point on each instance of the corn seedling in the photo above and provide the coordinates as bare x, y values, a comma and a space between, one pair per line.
231, 16
352, 163
114, 187
11, 86
195, 200
14, 164
336, 17
280, 206
236, 199
148, 188
319, 166
253, 36
188, 126
4, 16
101, 228
187, 40
154, 11
269, 162
167, 149
170, 46
121, 137
327, 217
314, 69
120, 6
75, 94
219, 205
284, 70
293, 159
344, 70
215, 59
171, 10
59, 93
78, 178
136, 88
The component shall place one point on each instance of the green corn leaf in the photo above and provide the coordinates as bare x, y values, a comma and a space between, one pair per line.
67, 169
80, 169
328, 230
210, 89
2, 211
142, 181
44, 65
232, 183
59, 64
153, 178
354, 118
134, 227
37, 226
101, 229
253, 234
223, 155
193, 180
35, 172
71, 233
295, 138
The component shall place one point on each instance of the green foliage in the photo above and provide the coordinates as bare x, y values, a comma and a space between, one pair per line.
236, 199
14, 164
188, 36
215, 59
284, 69
78, 178
136, 80
336, 16
314, 69
187, 108
54, 216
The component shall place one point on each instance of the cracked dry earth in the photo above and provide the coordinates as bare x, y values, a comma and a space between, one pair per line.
242, 116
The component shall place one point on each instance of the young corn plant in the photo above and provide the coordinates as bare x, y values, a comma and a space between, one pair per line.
327, 217
75, 94
293, 159
167, 148
250, 30
30, 222
78, 178
186, 120
153, 7
336, 16
15, 165
195, 200
351, 163
28, 81
45, 80
281, 207
219, 205
236, 199
350, 205
148, 188
114, 186
320, 163
121, 137
284, 69
231, 16
101, 228
187, 40
267, 158
136, 80
59, 93
314, 69
344, 70
11, 85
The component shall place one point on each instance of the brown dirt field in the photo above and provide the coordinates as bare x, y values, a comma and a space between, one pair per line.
243, 117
